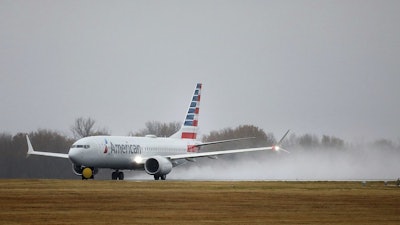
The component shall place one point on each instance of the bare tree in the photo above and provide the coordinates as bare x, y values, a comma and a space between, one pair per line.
158, 128
84, 127
14, 164
261, 138
384, 144
332, 142
308, 141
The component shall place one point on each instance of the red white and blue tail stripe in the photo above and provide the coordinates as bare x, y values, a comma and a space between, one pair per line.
190, 125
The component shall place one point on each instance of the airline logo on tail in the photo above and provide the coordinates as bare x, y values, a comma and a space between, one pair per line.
192, 117
190, 124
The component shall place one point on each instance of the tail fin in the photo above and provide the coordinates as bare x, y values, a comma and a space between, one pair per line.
189, 126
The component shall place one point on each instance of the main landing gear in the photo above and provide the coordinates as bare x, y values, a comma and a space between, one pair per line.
117, 175
157, 177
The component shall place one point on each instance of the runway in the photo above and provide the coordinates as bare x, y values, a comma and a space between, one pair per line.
197, 202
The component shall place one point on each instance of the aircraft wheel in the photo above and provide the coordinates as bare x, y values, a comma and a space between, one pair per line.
156, 177
163, 177
114, 175
120, 175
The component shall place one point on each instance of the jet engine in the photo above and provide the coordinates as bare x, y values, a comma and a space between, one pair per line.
77, 169
158, 165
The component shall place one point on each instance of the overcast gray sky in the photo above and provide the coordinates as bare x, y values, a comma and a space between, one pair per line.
320, 67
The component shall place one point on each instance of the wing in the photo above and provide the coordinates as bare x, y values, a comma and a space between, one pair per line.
190, 156
31, 151
216, 153
223, 141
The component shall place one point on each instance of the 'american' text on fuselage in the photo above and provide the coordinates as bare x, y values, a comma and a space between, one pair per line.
125, 149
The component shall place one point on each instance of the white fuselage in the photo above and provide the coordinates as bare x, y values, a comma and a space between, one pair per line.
121, 152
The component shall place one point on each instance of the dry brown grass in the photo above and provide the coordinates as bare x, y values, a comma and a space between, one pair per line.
184, 202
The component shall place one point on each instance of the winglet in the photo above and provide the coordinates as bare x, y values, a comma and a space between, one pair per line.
280, 141
277, 147
30, 148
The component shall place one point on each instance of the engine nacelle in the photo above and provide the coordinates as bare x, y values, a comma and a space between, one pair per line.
158, 165
77, 169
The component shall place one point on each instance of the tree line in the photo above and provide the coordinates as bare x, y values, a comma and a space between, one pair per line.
13, 148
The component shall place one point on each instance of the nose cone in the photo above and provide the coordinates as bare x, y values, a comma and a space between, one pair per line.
74, 155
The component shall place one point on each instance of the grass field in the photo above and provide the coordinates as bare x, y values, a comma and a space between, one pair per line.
186, 202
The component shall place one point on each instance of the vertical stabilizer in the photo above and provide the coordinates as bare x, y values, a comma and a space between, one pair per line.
189, 126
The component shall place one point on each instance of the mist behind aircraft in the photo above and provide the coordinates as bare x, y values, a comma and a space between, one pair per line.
308, 165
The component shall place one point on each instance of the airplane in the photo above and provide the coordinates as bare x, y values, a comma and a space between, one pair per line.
155, 155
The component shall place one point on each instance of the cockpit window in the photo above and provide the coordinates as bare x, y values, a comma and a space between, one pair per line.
80, 146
